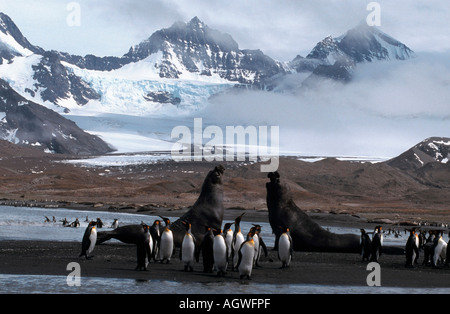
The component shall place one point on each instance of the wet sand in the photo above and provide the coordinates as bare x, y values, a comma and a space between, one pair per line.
117, 260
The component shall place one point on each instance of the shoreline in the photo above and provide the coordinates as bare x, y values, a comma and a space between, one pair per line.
117, 260
325, 218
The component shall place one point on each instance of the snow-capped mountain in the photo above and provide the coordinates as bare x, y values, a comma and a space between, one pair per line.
175, 71
434, 149
340, 55
190, 48
26, 123
194, 47
188, 63
36, 73
12, 42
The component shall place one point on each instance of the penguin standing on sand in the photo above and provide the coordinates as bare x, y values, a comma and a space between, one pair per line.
228, 234
166, 244
447, 255
89, 240
256, 241
428, 248
238, 239
259, 244
188, 248
285, 248
220, 253
365, 245
155, 232
377, 244
207, 250
144, 248
440, 250
246, 256
412, 249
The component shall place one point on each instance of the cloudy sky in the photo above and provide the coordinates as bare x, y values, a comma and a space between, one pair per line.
282, 28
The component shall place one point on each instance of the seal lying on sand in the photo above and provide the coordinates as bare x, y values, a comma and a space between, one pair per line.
206, 212
306, 234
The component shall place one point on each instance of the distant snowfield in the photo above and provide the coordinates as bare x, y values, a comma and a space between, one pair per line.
121, 160
132, 134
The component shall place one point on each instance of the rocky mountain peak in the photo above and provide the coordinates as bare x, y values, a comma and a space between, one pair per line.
196, 23
16, 38
431, 150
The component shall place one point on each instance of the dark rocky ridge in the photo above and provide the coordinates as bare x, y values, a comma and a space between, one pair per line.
56, 82
27, 123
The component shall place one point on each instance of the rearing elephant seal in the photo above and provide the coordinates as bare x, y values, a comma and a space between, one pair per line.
207, 210
306, 234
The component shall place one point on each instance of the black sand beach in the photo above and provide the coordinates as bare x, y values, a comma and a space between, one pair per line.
116, 260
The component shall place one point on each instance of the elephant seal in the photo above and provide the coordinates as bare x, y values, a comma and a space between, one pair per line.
207, 211
306, 234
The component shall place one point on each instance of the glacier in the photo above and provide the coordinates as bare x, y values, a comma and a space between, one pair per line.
123, 117
127, 120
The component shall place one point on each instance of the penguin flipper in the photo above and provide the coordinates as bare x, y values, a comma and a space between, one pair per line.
291, 247
239, 259
263, 245
197, 253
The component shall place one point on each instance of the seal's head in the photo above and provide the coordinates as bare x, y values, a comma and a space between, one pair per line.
274, 177
217, 174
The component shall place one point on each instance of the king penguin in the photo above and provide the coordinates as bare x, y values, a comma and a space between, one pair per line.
246, 255
228, 234
377, 244
144, 248
238, 239
155, 232
412, 249
440, 250
166, 244
365, 246
220, 253
447, 255
89, 240
188, 248
285, 248
428, 248
260, 245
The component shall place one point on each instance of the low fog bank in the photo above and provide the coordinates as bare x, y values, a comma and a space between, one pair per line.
387, 108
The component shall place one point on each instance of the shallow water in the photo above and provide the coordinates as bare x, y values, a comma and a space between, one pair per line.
24, 223
29, 284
